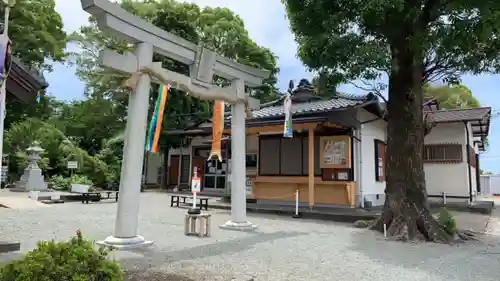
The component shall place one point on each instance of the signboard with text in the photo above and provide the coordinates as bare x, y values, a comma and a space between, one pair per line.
195, 185
249, 186
72, 165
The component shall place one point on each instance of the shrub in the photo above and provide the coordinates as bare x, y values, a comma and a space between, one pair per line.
64, 183
60, 183
73, 260
447, 221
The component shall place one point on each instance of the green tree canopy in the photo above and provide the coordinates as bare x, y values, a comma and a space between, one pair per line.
58, 150
451, 96
216, 28
413, 42
89, 123
18, 110
36, 31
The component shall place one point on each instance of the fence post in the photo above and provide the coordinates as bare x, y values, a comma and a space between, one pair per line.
296, 214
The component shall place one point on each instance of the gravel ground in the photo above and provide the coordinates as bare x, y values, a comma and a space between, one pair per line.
282, 249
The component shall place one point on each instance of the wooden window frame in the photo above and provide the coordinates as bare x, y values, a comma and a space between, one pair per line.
304, 142
300, 154
427, 157
378, 176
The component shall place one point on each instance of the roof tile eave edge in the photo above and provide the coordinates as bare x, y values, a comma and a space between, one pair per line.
37, 78
460, 109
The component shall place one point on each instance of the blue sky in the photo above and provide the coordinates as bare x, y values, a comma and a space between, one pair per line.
269, 27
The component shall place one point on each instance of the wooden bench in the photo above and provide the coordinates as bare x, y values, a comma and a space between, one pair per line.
176, 199
98, 196
6, 247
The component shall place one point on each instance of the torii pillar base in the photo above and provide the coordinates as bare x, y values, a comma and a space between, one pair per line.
238, 226
125, 243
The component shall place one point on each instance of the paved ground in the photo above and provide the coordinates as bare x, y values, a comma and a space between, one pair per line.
21, 203
282, 249
470, 221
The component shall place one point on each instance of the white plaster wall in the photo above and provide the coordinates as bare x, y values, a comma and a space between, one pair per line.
449, 178
370, 189
453, 179
154, 163
252, 143
473, 169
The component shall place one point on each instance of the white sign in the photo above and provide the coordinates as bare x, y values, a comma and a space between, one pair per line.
195, 185
72, 164
249, 186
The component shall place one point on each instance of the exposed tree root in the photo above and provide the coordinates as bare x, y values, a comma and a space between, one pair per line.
412, 228
410, 222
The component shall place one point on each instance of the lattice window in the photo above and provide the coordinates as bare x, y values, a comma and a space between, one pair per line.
379, 160
443, 153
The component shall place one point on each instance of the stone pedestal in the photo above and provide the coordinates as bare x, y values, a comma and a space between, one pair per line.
32, 179
197, 225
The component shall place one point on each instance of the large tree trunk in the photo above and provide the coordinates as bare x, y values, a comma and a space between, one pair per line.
406, 213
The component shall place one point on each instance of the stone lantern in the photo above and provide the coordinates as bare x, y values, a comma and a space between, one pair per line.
34, 152
32, 179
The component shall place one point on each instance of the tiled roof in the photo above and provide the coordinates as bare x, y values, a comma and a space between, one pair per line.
39, 78
456, 115
342, 101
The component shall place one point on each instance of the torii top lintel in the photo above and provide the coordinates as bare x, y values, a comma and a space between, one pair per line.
114, 20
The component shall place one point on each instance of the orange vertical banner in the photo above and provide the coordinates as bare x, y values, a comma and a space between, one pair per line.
217, 129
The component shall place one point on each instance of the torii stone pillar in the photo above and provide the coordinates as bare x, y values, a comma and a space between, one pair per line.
150, 39
238, 169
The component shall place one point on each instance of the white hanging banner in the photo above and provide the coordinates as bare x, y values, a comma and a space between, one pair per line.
287, 107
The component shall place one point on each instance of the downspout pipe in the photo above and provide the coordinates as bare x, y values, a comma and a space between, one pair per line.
359, 174
468, 161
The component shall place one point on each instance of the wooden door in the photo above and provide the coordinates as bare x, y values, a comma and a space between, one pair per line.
173, 170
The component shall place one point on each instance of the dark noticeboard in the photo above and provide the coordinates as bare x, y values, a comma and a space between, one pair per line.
336, 174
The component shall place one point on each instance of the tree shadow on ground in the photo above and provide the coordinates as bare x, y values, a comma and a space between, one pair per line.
154, 257
473, 260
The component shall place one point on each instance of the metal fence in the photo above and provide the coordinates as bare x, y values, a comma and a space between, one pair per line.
490, 185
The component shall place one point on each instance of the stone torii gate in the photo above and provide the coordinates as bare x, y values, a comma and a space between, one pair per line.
204, 63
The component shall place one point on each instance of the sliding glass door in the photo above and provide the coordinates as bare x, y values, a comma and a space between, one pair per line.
215, 174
